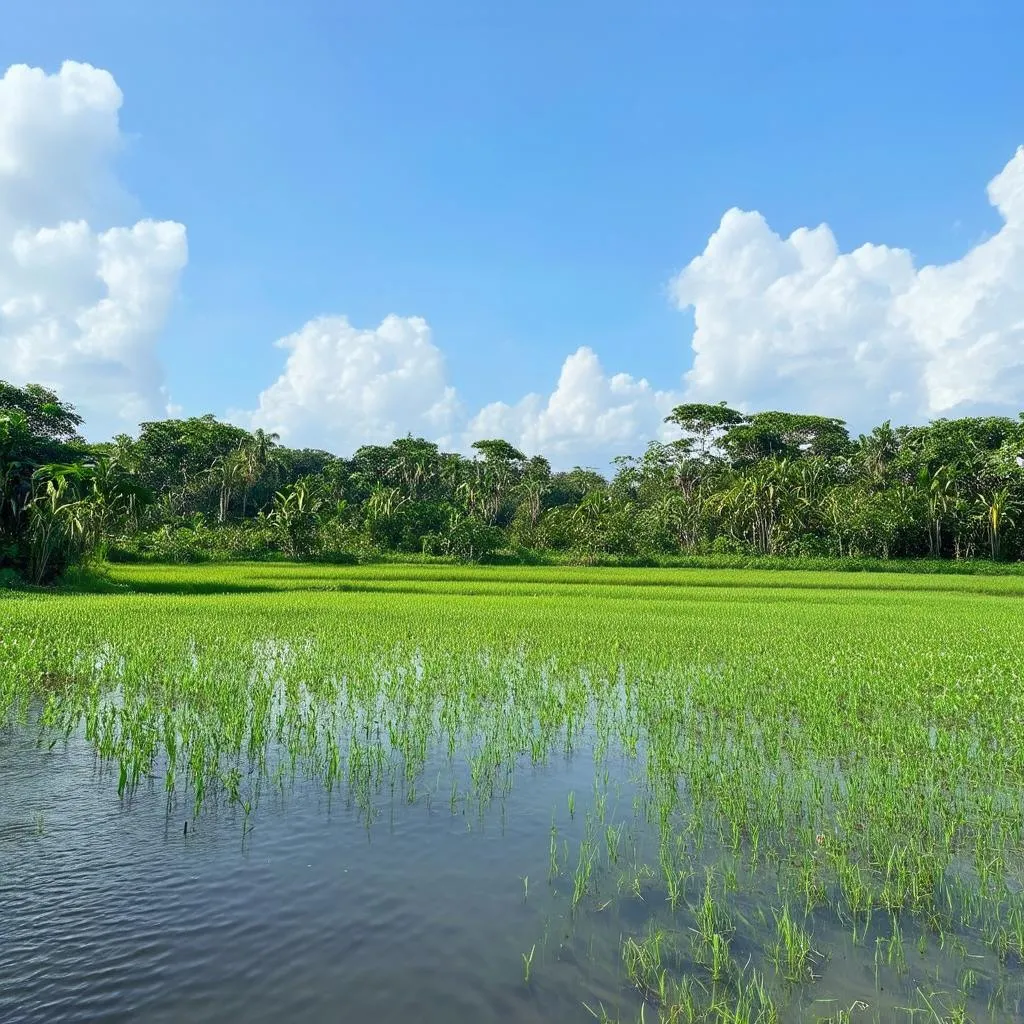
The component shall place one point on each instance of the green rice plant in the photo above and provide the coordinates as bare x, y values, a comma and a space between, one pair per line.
584, 870
846, 743
613, 840
713, 918
528, 963
753, 1005
792, 953
644, 965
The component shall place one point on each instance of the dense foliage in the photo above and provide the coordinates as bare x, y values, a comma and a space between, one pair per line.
771, 483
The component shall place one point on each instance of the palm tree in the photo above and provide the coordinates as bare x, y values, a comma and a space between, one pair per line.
257, 454
14, 437
117, 493
876, 452
502, 466
295, 516
759, 499
413, 462
597, 521
384, 502
227, 473
469, 493
61, 520
532, 491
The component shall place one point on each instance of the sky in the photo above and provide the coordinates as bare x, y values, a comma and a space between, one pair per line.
546, 222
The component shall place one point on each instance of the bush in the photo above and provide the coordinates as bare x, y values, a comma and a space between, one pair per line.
337, 558
247, 542
9, 579
725, 545
121, 554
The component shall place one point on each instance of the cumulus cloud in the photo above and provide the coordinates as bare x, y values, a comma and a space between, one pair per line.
790, 323
343, 387
82, 298
795, 324
588, 417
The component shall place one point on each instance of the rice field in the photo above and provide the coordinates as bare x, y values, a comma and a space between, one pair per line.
727, 796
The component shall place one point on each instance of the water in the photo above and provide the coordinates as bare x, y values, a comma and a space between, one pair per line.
110, 910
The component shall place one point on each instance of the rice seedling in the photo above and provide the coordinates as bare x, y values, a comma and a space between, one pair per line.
644, 966
528, 963
844, 748
792, 951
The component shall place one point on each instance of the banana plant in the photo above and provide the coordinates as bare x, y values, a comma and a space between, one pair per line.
61, 518
996, 509
295, 516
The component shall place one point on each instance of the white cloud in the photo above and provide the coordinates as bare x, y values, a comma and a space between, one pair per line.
343, 387
82, 300
589, 417
795, 324
780, 323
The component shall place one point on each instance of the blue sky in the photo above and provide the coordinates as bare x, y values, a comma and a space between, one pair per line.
528, 178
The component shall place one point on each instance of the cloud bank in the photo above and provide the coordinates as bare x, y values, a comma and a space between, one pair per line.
790, 323
82, 300
588, 415
794, 323
342, 387
779, 322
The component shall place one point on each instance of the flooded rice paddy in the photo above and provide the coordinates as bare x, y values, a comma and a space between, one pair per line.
427, 793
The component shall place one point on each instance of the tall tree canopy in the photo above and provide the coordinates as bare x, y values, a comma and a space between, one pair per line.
771, 482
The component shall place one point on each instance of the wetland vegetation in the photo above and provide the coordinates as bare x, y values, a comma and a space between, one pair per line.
720, 795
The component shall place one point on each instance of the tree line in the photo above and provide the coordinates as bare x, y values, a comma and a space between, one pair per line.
769, 483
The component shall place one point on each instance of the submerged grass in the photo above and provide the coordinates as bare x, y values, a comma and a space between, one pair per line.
812, 769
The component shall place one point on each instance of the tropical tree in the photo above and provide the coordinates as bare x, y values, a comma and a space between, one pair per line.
757, 502
997, 508
117, 495
939, 488
497, 474
707, 424
61, 521
875, 453
178, 457
533, 486
467, 536
785, 436
295, 518
413, 464
257, 454
44, 414
227, 474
